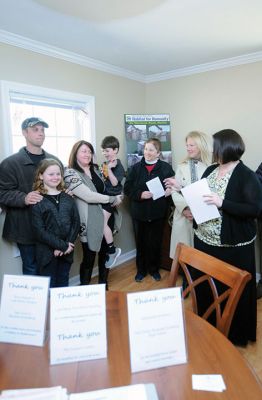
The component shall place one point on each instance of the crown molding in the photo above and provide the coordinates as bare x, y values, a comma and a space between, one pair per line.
56, 52
212, 66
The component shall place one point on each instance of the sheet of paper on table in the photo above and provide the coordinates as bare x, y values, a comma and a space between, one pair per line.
23, 309
52, 393
212, 383
156, 318
131, 392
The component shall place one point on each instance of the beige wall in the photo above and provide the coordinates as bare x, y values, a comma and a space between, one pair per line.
114, 96
228, 98
209, 101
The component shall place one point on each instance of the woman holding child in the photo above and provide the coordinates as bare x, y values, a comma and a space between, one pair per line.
83, 179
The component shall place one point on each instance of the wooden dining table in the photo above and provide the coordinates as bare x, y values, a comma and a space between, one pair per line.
209, 352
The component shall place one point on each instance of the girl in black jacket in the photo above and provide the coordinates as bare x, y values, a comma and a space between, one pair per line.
55, 222
148, 215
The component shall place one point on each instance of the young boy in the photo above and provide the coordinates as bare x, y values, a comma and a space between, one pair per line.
113, 173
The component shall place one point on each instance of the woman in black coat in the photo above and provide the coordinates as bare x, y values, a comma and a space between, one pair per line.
148, 214
237, 193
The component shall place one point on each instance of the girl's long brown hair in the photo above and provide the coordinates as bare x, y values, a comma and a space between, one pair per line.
38, 184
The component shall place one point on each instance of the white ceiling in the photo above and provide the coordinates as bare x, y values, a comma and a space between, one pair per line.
143, 37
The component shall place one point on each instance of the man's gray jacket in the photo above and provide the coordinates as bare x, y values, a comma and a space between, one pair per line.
17, 174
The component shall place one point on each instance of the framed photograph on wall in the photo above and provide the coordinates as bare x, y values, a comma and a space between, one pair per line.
141, 127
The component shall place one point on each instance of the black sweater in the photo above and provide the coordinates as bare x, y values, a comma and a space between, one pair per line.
241, 206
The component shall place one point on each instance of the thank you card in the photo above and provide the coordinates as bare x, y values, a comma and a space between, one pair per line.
23, 309
78, 324
156, 329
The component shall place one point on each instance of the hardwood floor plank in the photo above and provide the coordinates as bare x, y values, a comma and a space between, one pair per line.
122, 278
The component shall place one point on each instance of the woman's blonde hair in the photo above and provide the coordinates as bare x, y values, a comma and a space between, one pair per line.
203, 143
38, 184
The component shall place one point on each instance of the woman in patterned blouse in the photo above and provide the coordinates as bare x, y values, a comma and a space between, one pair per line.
237, 193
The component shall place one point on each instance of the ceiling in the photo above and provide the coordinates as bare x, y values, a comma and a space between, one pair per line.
140, 37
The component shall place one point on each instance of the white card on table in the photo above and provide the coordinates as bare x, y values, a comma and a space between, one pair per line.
78, 324
155, 187
48, 393
211, 383
193, 195
156, 329
23, 309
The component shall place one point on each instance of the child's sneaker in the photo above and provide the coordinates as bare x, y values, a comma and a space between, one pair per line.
112, 258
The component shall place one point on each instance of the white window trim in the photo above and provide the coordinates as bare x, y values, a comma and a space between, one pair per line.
5, 119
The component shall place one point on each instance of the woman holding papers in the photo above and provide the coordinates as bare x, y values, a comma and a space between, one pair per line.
237, 193
189, 171
148, 210
83, 179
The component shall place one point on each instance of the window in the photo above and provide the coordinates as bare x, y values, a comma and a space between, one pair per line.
70, 117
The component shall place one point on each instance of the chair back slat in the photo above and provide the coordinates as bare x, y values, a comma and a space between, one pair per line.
209, 270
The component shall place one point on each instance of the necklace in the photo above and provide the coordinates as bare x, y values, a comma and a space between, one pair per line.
55, 198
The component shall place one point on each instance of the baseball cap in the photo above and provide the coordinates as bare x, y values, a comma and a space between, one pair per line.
30, 122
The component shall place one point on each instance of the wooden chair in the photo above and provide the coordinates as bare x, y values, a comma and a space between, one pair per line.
189, 260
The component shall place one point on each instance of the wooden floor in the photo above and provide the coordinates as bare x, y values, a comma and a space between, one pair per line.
122, 278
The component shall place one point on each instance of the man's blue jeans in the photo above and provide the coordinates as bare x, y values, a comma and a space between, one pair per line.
28, 256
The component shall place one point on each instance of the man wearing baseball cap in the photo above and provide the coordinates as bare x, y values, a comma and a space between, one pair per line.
16, 180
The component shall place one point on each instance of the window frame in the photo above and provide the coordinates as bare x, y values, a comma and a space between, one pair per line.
6, 87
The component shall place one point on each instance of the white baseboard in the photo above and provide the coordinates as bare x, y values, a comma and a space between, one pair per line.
75, 280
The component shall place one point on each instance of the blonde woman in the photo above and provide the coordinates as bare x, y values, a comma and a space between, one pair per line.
188, 171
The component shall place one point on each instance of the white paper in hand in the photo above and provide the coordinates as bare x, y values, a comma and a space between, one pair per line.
155, 187
193, 195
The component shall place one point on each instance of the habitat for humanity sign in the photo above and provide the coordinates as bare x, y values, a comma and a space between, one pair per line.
141, 127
